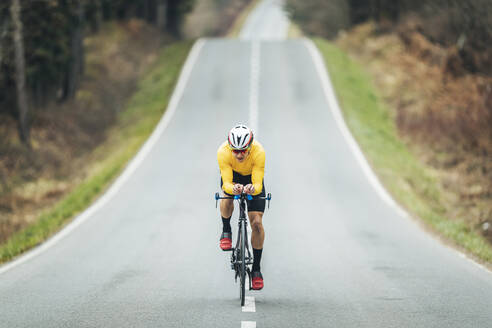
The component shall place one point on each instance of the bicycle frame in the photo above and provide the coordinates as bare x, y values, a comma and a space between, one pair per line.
241, 257
242, 234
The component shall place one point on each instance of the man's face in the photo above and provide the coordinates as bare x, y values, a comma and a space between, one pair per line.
240, 156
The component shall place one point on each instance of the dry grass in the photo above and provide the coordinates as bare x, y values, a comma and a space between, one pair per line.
443, 113
295, 31
63, 135
213, 18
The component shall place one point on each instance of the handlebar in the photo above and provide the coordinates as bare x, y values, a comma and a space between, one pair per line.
242, 196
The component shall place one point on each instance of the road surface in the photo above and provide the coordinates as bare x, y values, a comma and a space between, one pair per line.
335, 255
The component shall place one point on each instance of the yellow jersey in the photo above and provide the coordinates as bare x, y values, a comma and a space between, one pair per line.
253, 164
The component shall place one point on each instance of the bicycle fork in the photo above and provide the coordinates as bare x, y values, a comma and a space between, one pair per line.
235, 254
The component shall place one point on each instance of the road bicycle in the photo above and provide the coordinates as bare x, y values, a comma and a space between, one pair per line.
241, 258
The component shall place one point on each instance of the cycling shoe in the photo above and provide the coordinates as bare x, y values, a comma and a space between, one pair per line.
226, 241
257, 280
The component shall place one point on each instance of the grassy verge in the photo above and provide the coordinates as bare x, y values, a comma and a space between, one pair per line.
411, 183
134, 126
239, 22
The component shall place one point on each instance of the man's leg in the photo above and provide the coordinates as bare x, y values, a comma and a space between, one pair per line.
257, 239
226, 209
258, 233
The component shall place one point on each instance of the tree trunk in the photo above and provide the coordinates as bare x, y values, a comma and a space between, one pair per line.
20, 73
97, 20
3, 33
77, 65
161, 15
172, 17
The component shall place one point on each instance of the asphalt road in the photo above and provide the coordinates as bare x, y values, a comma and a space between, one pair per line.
335, 254
267, 22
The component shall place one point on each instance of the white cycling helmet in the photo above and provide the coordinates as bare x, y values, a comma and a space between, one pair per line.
240, 137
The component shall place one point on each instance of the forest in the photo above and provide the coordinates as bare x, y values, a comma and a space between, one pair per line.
42, 52
461, 29
453, 36
68, 70
466, 24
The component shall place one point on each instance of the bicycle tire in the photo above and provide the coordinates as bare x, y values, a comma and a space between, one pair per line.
242, 274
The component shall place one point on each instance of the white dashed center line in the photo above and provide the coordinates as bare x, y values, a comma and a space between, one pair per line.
249, 304
254, 86
248, 324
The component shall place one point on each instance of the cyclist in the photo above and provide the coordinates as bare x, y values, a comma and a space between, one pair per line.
242, 167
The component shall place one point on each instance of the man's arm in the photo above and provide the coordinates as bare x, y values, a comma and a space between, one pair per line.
258, 173
225, 173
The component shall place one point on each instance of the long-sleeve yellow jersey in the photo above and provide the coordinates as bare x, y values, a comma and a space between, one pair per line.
253, 164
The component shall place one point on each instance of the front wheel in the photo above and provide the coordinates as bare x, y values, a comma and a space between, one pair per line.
242, 273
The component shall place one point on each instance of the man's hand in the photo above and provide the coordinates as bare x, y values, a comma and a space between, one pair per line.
237, 189
249, 189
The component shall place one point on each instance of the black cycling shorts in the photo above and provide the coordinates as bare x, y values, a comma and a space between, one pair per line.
257, 205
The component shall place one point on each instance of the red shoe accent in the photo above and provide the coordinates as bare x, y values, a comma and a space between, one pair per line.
226, 241
226, 244
257, 281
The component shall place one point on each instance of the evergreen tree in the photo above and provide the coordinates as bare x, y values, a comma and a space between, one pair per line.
41, 45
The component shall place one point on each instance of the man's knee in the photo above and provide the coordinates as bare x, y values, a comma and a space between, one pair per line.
227, 205
256, 222
257, 226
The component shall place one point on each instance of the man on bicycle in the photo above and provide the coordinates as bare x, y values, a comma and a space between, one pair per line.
242, 167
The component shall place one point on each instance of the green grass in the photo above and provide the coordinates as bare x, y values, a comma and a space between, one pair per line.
410, 182
134, 126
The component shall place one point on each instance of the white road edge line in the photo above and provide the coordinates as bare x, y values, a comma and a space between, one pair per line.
248, 324
254, 86
249, 304
335, 109
129, 170
337, 113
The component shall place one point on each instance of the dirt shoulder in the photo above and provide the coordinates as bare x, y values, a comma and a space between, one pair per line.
443, 113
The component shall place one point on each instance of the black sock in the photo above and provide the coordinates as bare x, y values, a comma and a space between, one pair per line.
226, 224
256, 259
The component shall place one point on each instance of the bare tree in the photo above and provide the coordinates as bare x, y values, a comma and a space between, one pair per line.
161, 14
3, 34
20, 73
77, 52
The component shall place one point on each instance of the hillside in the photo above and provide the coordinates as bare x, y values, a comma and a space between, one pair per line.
79, 146
65, 135
442, 111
